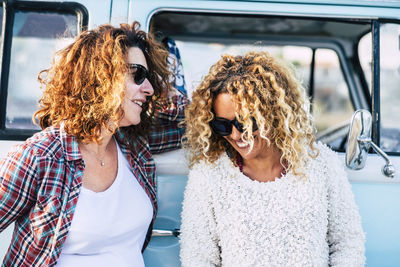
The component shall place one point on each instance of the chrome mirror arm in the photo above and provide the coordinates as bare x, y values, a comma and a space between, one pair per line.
388, 169
359, 143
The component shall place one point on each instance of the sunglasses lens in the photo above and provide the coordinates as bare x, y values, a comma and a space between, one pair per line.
255, 126
222, 128
238, 125
140, 75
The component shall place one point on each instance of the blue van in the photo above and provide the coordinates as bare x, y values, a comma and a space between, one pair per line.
346, 52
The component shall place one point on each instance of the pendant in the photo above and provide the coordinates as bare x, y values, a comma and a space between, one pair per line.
102, 163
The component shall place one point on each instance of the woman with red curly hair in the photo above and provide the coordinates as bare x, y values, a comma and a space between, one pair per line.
82, 191
261, 191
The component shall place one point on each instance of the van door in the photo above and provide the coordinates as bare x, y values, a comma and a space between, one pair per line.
325, 44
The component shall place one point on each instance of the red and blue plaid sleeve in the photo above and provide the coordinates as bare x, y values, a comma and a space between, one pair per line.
17, 184
168, 134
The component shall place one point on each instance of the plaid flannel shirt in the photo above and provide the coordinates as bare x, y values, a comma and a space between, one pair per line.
40, 182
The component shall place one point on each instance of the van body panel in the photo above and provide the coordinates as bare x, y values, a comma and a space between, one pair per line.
377, 196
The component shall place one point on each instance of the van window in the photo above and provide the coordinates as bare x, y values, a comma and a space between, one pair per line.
322, 53
192, 53
331, 101
36, 36
331, 105
389, 82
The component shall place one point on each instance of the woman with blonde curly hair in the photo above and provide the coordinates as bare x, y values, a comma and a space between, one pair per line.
261, 191
82, 191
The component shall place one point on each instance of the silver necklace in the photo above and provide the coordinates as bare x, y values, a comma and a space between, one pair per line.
102, 163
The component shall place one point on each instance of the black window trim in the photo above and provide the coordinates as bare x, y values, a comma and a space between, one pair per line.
375, 109
374, 104
9, 9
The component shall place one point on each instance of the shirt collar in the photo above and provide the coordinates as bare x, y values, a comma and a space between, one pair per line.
138, 148
70, 145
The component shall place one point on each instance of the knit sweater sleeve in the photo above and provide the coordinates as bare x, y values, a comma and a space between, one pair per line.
345, 235
199, 240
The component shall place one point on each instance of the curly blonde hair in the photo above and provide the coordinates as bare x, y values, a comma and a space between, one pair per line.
85, 86
263, 88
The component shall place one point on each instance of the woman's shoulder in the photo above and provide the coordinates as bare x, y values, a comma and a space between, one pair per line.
329, 162
42, 144
222, 162
325, 153
47, 142
326, 159
205, 169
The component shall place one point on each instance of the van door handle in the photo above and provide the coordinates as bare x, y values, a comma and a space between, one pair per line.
158, 232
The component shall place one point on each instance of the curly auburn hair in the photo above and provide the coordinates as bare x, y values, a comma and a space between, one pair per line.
263, 88
85, 86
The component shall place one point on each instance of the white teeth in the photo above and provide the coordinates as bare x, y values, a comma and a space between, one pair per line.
138, 102
241, 145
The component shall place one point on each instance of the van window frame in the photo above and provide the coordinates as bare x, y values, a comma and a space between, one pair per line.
375, 97
9, 10
312, 44
376, 82
371, 99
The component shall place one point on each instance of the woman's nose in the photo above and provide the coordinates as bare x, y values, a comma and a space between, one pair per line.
235, 135
147, 88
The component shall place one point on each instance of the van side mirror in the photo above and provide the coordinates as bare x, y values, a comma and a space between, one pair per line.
359, 142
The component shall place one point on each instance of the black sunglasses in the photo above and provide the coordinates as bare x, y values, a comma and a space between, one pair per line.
140, 73
223, 126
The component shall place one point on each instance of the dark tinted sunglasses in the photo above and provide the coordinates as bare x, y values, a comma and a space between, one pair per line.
140, 73
223, 126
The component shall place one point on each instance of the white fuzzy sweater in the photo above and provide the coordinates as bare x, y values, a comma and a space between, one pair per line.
230, 220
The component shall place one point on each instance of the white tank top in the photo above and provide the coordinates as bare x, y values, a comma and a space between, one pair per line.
109, 227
